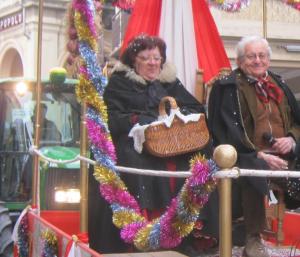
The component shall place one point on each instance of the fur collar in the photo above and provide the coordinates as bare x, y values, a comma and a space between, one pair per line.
167, 74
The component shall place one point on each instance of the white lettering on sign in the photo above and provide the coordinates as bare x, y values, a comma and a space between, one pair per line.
11, 20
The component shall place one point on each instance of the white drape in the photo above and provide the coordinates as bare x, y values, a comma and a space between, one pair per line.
177, 29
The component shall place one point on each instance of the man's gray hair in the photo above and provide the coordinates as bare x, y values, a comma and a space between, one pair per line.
240, 47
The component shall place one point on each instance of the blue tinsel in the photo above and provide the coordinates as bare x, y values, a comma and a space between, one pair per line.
50, 250
93, 69
93, 115
154, 236
184, 214
103, 159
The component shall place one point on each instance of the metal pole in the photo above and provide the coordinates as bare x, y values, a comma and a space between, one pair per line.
35, 177
225, 156
225, 217
264, 18
83, 172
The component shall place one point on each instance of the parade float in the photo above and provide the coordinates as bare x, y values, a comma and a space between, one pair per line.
63, 232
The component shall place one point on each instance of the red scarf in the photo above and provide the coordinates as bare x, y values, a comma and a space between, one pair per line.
266, 90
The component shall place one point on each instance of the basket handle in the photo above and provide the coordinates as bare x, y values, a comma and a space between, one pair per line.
162, 105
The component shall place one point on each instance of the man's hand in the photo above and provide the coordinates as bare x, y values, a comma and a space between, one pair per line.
284, 145
274, 162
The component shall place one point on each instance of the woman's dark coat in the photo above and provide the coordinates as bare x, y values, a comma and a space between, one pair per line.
130, 100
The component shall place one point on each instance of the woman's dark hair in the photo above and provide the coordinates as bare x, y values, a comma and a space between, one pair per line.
141, 43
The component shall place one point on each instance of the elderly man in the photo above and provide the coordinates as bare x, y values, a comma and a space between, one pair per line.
255, 111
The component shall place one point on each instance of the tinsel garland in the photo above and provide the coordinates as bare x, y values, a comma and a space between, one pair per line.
180, 217
229, 6
49, 244
23, 237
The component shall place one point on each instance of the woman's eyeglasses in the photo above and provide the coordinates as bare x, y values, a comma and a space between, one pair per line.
147, 59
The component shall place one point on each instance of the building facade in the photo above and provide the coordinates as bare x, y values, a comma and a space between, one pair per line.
277, 21
19, 34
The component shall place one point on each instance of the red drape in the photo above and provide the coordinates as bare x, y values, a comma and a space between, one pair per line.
145, 18
211, 54
210, 50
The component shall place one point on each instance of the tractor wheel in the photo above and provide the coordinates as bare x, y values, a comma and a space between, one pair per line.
6, 243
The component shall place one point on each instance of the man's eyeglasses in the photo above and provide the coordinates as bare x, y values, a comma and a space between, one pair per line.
148, 59
260, 56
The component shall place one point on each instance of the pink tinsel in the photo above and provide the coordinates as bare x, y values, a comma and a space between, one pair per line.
129, 232
83, 71
116, 195
200, 174
168, 237
99, 138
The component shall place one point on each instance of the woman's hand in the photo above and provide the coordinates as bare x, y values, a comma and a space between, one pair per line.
284, 145
274, 162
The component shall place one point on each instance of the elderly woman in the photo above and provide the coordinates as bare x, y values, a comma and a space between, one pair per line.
136, 86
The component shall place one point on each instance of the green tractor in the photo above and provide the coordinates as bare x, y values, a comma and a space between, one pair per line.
59, 140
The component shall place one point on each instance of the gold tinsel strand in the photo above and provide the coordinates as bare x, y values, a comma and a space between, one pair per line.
197, 158
210, 186
104, 175
191, 207
141, 238
49, 236
81, 91
182, 229
123, 218
83, 31
85, 90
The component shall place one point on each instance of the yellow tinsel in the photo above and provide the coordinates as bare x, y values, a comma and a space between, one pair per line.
84, 32
141, 239
86, 91
50, 237
104, 175
183, 229
123, 218
197, 158
188, 204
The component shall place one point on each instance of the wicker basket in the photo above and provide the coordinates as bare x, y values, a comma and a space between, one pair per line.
178, 139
